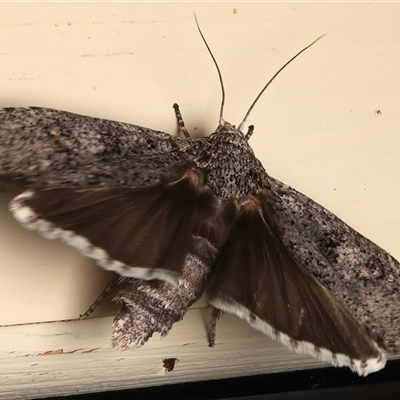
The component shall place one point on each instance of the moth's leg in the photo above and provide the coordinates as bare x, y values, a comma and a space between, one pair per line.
250, 131
182, 127
106, 292
215, 314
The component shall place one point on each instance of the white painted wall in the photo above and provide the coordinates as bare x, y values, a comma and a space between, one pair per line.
317, 128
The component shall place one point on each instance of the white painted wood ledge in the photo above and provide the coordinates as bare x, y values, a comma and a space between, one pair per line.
63, 358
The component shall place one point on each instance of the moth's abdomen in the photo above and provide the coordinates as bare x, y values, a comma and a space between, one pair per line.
154, 306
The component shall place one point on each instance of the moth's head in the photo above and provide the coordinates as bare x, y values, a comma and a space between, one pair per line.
227, 128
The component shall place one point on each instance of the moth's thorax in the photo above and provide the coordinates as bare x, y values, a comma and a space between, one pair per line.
231, 168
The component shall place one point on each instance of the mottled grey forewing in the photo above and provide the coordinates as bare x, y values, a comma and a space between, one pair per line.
259, 280
42, 147
92, 170
358, 272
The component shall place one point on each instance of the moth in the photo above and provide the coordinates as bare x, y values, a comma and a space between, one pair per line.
172, 215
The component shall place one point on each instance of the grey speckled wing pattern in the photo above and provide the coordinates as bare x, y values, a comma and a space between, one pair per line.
89, 151
358, 272
169, 215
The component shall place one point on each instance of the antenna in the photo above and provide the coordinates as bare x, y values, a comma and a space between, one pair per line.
270, 81
221, 112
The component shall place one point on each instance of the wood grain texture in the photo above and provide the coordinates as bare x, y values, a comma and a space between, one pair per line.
67, 358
